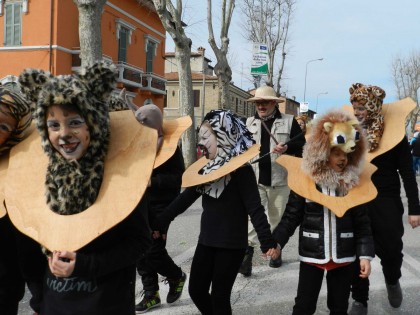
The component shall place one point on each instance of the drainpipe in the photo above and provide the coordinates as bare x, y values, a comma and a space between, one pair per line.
51, 34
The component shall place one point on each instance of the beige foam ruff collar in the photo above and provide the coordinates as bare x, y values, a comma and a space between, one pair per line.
4, 162
128, 167
303, 185
395, 115
172, 132
191, 177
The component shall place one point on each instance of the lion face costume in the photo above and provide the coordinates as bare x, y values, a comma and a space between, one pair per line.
334, 129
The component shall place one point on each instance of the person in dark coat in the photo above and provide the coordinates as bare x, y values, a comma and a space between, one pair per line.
227, 199
329, 239
22, 261
389, 151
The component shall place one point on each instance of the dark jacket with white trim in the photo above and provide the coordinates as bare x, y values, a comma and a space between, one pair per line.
322, 235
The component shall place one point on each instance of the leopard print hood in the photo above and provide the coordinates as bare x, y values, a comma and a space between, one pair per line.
371, 97
317, 150
73, 186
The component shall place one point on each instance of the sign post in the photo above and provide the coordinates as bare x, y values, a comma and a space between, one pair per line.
259, 59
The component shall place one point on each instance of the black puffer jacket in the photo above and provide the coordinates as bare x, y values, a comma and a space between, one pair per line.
322, 235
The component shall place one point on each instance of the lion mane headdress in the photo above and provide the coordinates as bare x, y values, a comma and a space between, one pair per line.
334, 129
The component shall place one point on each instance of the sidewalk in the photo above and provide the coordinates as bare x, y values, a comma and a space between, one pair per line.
272, 291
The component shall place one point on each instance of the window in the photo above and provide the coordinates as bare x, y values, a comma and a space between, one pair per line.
150, 54
150, 48
196, 98
13, 24
124, 32
123, 44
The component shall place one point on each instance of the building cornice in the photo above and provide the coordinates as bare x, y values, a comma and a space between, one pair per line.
134, 19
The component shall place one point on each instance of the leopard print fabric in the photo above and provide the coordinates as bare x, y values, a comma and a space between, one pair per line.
73, 186
371, 97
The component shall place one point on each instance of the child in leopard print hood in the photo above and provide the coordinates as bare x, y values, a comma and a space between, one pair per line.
72, 117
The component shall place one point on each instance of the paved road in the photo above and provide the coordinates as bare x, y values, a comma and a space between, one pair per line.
272, 291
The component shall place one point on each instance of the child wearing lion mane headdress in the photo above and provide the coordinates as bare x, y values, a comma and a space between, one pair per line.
329, 240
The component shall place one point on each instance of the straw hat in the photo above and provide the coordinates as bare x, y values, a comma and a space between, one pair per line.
191, 177
394, 121
128, 167
265, 93
303, 185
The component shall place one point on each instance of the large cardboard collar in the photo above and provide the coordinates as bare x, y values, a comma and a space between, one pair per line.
4, 162
172, 132
395, 115
303, 185
191, 177
128, 167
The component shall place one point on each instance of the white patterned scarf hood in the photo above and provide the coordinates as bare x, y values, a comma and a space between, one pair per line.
233, 138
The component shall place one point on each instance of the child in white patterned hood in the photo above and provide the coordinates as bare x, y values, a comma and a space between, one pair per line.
227, 201
328, 241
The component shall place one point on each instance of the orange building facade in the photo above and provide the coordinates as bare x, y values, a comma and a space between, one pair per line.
44, 34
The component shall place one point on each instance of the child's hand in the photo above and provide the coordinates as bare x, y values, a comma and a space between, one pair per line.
273, 252
364, 268
414, 220
62, 263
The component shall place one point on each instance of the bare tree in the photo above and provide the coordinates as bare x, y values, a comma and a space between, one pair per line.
90, 16
268, 21
170, 17
406, 77
222, 68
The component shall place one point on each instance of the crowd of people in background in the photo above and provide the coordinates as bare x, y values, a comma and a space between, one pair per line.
258, 178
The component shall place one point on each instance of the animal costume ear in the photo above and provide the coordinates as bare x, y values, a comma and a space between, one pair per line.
100, 79
354, 87
354, 122
328, 126
32, 81
378, 92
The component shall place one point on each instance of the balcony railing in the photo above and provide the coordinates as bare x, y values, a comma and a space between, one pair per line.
154, 83
129, 75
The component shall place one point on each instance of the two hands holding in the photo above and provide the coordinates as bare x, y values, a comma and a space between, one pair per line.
62, 263
274, 253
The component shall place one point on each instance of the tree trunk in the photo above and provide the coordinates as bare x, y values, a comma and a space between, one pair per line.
171, 20
183, 57
90, 16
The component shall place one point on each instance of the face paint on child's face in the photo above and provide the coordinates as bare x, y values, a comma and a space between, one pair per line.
337, 160
67, 132
359, 111
208, 141
7, 124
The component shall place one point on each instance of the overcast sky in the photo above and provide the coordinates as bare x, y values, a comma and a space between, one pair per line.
358, 40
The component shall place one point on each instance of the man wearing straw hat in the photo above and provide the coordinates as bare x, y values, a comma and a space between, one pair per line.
272, 130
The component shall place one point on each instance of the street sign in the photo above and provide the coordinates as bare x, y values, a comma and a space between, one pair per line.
259, 59
304, 107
